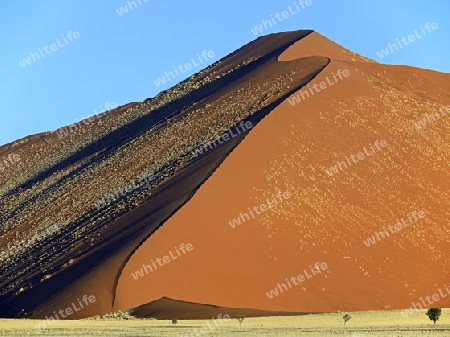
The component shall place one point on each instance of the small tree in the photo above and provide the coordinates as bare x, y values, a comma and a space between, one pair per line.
346, 318
174, 321
434, 314
240, 318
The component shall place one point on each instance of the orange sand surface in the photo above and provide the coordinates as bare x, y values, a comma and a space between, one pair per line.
327, 217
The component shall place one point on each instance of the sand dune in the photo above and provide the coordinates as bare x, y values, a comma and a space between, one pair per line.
282, 216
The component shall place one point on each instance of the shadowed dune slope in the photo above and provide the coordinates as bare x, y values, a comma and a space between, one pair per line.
166, 308
328, 215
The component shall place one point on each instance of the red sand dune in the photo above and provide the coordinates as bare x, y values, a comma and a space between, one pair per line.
184, 217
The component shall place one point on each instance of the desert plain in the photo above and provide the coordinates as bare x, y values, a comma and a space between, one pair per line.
362, 324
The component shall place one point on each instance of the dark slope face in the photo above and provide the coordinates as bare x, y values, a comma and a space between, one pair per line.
65, 179
166, 308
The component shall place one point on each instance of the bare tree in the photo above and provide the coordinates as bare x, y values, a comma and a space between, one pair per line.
240, 318
346, 318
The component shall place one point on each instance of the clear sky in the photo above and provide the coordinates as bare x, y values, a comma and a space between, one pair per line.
116, 58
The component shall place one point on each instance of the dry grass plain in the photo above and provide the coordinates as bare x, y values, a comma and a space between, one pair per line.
362, 324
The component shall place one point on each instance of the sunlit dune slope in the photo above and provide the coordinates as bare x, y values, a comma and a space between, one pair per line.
327, 217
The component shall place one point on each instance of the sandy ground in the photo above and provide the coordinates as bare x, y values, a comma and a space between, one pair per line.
362, 324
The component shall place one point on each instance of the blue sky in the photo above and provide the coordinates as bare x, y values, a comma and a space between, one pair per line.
117, 58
